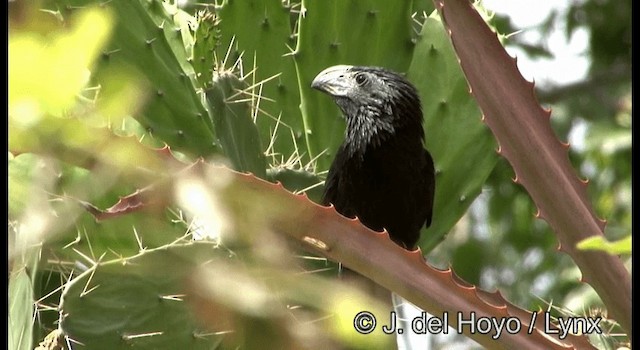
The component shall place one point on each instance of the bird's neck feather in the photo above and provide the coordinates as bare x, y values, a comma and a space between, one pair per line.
367, 133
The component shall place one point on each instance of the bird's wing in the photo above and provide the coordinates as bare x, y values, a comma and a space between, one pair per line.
429, 174
331, 185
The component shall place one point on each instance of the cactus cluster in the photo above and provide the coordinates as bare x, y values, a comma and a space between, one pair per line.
148, 39
233, 80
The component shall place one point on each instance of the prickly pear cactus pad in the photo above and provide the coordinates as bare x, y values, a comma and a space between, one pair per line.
233, 119
148, 43
453, 127
136, 302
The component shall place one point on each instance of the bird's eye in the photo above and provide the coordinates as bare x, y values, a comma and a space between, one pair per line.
361, 79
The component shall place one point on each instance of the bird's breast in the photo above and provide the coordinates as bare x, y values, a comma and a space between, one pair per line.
383, 188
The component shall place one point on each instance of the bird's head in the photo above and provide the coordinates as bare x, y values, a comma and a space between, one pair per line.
376, 102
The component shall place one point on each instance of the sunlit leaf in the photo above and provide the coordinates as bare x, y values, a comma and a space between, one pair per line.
622, 246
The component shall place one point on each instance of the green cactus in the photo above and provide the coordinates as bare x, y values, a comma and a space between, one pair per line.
260, 31
453, 127
297, 181
206, 39
156, 39
264, 39
23, 270
233, 120
200, 108
136, 302
147, 41
173, 112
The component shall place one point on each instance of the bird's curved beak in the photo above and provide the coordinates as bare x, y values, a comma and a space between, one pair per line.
333, 80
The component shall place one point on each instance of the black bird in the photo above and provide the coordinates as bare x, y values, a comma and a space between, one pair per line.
382, 174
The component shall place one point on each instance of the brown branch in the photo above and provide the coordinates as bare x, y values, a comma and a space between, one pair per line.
250, 201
